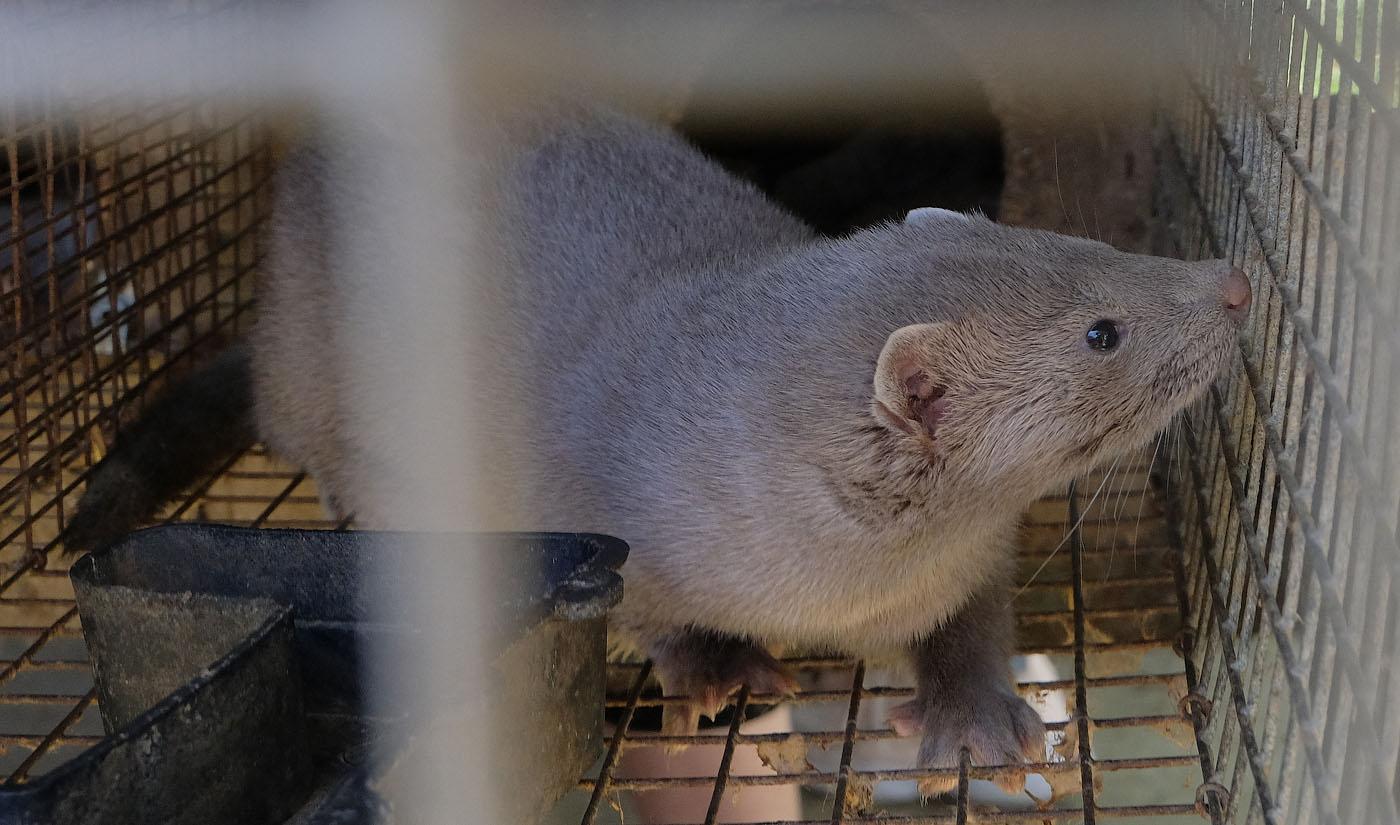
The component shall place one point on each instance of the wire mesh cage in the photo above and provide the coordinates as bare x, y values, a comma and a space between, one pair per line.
1281, 135
1208, 627
129, 246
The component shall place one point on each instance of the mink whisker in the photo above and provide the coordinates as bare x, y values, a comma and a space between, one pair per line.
1151, 465
1069, 532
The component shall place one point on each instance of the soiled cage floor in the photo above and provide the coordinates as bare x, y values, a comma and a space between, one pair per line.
1111, 652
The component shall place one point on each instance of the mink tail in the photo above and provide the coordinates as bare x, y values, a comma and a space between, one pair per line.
190, 429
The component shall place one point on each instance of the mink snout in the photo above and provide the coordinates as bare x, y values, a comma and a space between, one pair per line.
1236, 294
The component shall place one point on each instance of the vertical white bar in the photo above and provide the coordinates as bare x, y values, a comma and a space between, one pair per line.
406, 337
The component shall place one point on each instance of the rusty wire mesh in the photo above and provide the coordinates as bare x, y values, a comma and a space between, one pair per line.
1280, 145
126, 251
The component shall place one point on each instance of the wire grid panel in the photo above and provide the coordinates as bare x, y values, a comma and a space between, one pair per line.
1102, 607
48, 713
130, 243
1280, 134
126, 250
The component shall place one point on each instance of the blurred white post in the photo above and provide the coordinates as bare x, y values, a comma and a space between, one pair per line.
406, 278
386, 70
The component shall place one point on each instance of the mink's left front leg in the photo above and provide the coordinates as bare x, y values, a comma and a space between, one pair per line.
965, 696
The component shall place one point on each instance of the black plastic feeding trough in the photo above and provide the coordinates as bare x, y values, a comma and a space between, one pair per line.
228, 672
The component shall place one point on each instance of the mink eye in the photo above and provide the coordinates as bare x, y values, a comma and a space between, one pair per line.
1102, 336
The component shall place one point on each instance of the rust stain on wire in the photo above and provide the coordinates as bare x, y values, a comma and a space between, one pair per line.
1198, 719
964, 762
726, 762
843, 781
1238, 693
605, 774
1081, 693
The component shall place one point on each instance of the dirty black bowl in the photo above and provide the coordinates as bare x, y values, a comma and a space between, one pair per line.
229, 673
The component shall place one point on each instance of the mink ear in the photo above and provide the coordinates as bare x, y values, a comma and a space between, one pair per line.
909, 380
932, 214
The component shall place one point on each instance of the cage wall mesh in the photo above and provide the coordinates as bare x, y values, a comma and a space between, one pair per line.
127, 247
1281, 134
1223, 640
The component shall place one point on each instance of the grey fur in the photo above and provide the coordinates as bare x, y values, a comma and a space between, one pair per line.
699, 377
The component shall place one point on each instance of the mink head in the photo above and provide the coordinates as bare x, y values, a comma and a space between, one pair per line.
1042, 355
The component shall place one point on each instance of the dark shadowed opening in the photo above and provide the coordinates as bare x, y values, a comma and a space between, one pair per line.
858, 136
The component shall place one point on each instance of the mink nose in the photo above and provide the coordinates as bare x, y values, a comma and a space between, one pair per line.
1235, 294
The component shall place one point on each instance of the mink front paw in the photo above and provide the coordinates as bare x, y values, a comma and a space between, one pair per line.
996, 726
706, 669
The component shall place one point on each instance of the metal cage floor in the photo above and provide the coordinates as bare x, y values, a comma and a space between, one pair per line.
1103, 608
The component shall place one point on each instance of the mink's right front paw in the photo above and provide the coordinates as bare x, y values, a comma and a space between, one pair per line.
706, 668
996, 726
